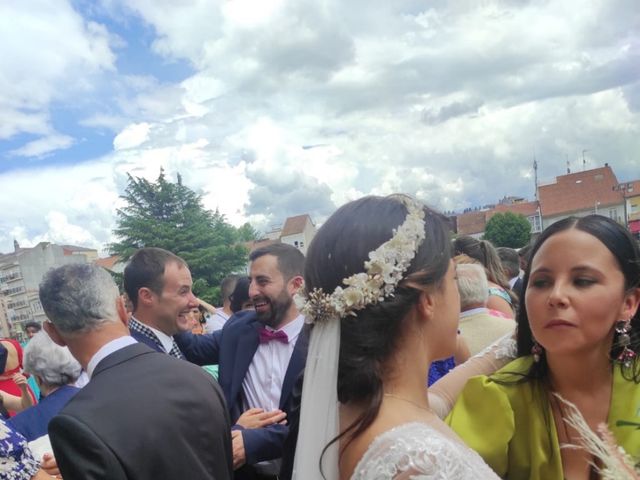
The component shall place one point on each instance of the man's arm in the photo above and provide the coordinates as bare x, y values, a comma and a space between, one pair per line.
80, 454
265, 443
200, 349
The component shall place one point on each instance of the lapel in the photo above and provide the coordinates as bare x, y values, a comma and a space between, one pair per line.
248, 340
120, 356
296, 365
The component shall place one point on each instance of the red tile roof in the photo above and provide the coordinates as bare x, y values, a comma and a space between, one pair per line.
524, 208
255, 244
107, 262
295, 225
631, 189
579, 191
471, 222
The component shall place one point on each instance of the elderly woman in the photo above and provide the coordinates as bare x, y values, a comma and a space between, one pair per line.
55, 370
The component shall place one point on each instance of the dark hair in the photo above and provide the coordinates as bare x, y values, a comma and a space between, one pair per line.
227, 285
484, 252
146, 269
510, 261
339, 249
240, 294
626, 252
290, 259
35, 325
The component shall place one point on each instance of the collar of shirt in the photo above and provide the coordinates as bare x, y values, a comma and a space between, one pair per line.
165, 340
473, 311
513, 281
292, 329
106, 350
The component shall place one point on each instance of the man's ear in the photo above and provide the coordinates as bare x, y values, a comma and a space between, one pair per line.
145, 296
295, 284
52, 331
122, 311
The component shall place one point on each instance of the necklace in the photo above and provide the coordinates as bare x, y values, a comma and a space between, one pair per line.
421, 407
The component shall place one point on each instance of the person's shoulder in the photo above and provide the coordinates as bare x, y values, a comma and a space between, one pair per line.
240, 319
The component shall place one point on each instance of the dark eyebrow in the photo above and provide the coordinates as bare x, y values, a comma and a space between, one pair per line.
577, 268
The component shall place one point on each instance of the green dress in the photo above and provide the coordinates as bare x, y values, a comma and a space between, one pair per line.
512, 427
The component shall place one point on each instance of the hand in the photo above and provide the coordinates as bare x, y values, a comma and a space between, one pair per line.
258, 418
21, 381
237, 444
49, 465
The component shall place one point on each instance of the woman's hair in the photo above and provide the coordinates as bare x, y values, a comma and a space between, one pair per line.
339, 249
627, 254
240, 294
484, 252
52, 363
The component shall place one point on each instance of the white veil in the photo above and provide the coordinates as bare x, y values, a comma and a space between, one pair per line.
319, 422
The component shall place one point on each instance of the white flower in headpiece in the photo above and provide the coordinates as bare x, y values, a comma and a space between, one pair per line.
384, 271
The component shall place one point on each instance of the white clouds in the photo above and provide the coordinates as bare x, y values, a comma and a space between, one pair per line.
43, 146
447, 102
49, 52
132, 136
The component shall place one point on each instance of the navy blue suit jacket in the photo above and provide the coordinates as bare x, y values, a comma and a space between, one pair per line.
147, 341
232, 349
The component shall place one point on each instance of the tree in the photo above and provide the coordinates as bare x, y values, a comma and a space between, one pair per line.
508, 230
171, 216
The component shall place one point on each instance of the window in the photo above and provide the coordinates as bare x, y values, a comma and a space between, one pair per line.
612, 213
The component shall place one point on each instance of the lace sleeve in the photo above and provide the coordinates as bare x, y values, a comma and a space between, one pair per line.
417, 451
443, 393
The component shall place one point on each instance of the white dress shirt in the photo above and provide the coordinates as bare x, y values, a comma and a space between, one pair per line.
262, 384
216, 321
106, 350
165, 340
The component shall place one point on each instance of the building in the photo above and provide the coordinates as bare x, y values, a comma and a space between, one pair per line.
297, 231
581, 194
113, 263
20, 276
473, 223
631, 192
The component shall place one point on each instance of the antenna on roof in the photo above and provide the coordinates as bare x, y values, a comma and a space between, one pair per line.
535, 175
568, 164
584, 161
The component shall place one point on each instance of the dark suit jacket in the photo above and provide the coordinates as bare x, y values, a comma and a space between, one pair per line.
232, 349
144, 415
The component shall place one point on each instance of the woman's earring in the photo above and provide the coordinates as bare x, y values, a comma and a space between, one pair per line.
627, 355
536, 351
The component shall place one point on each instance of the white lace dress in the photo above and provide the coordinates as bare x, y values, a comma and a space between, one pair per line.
418, 451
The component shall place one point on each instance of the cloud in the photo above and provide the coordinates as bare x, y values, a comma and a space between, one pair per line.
448, 101
43, 146
49, 52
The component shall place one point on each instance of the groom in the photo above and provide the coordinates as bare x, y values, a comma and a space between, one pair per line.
260, 355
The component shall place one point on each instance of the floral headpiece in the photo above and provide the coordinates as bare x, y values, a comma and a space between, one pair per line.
383, 272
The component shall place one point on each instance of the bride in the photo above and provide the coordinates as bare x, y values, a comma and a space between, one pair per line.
382, 296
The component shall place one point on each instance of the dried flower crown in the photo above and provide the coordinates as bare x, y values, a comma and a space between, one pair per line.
383, 272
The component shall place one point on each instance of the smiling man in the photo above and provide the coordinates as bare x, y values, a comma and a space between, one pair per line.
260, 355
158, 284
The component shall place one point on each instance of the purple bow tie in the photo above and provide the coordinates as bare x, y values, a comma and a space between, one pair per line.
267, 335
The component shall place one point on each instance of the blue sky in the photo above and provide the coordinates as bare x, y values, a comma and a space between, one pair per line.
447, 101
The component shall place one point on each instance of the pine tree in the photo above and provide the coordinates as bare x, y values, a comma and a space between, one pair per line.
171, 216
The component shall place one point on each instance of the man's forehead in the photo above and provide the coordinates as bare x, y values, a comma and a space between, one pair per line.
178, 272
264, 266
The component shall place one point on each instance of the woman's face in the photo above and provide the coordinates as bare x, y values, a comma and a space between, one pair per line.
446, 316
576, 294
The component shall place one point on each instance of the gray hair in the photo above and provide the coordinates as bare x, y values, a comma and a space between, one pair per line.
472, 285
79, 297
52, 363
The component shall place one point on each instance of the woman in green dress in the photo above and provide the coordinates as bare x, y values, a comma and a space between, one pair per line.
578, 339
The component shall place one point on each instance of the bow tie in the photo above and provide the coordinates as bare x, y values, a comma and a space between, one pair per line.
267, 335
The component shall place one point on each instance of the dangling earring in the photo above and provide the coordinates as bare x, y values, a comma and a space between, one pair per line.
536, 351
626, 356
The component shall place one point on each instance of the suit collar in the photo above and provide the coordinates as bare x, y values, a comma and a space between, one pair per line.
296, 365
121, 355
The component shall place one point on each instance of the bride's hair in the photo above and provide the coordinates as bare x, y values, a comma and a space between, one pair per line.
339, 250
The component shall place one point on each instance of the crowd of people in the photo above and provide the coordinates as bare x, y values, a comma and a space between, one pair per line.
325, 367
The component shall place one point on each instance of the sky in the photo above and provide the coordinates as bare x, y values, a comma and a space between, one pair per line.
275, 108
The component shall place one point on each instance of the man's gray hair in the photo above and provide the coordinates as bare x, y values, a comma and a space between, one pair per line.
472, 285
52, 363
79, 297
